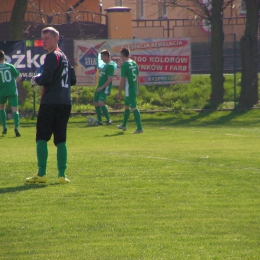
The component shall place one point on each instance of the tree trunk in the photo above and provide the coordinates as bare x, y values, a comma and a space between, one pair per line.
17, 25
217, 59
249, 55
17, 19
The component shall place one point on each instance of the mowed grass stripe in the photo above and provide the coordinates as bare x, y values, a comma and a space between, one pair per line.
188, 188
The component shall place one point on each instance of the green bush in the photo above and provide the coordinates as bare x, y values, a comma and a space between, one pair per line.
177, 97
28, 104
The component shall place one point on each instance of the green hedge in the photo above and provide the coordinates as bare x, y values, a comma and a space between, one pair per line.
187, 96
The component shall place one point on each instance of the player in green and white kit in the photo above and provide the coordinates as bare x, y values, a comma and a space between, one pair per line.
8, 91
129, 81
104, 87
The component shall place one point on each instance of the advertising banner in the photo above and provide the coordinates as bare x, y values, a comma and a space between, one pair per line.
160, 61
27, 56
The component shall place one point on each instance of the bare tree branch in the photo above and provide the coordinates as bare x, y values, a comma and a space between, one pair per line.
196, 7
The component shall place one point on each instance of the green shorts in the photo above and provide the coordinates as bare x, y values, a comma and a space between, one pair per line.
102, 96
12, 100
131, 102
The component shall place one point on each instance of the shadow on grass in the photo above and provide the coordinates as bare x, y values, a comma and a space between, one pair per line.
194, 118
204, 118
23, 124
215, 118
116, 134
85, 126
26, 125
22, 188
228, 118
176, 118
8, 137
184, 118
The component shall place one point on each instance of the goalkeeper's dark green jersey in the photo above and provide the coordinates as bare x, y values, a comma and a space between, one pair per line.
56, 78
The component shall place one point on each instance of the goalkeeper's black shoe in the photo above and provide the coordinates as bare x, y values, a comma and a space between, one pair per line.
109, 122
16, 131
100, 123
4, 131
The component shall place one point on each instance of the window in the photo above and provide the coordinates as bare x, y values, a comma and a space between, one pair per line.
162, 10
243, 7
139, 9
118, 2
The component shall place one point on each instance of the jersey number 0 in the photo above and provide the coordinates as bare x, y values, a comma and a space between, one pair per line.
6, 76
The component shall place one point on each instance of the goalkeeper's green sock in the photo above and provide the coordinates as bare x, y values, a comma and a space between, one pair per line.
62, 155
3, 118
42, 156
16, 117
105, 112
137, 118
126, 116
98, 112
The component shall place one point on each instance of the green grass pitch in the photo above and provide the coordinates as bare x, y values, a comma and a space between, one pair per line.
187, 188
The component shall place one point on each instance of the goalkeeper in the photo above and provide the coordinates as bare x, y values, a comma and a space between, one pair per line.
57, 77
8, 91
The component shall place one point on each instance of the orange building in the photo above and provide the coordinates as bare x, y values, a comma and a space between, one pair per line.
51, 6
143, 9
75, 19
157, 20
56, 12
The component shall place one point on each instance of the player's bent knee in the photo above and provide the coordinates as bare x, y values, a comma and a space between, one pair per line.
101, 103
14, 109
126, 107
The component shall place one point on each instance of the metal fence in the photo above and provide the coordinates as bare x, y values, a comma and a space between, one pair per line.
74, 24
58, 18
200, 39
192, 28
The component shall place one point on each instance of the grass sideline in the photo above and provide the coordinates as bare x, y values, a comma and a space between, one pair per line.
188, 188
